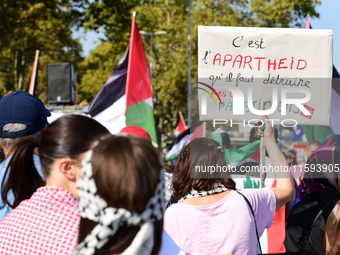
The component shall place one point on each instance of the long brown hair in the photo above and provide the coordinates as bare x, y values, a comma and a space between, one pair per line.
202, 152
68, 136
126, 171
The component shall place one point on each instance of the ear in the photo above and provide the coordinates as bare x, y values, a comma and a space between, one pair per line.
67, 167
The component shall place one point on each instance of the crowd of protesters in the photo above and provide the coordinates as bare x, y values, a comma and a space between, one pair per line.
71, 187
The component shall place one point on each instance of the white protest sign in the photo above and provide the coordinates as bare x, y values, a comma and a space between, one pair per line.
246, 72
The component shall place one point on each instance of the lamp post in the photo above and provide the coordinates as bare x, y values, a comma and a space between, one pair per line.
151, 35
189, 64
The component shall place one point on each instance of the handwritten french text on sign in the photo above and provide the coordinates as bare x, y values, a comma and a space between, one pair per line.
282, 72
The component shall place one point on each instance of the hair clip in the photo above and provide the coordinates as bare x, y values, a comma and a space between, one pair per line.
219, 148
184, 154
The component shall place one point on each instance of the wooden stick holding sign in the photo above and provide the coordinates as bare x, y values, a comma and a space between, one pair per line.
262, 158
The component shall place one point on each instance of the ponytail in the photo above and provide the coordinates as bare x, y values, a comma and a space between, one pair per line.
21, 176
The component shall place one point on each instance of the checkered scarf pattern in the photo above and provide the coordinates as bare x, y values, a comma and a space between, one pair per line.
194, 193
109, 219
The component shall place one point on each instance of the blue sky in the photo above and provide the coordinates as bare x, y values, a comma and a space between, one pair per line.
89, 40
329, 19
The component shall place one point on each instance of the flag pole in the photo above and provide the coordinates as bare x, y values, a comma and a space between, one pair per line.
308, 22
262, 161
33, 82
262, 157
189, 64
204, 129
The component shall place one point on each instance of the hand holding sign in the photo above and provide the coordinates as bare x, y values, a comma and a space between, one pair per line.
266, 130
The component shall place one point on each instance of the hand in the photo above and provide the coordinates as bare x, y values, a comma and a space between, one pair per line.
268, 133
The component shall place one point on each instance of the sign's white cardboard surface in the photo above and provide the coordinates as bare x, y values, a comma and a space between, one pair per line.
254, 62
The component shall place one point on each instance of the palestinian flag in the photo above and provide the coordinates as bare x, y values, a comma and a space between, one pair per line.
126, 98
198, 132
237, 157
179, 144
138, 87
181, 126
108, 106
183, 139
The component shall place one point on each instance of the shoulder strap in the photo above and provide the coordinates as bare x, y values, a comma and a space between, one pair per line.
252, 212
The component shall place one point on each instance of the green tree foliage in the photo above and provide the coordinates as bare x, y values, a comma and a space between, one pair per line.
26, 26
170, 51
47, 25
97, 67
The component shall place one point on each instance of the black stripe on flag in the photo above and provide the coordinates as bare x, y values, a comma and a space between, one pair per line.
113, 89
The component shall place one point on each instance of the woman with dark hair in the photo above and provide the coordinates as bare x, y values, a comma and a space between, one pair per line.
211, 217
47, 222
121, 198
292, 156
306, 223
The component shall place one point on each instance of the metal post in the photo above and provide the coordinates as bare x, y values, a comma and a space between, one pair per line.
189, 64
151, 58
151, 34
151, 75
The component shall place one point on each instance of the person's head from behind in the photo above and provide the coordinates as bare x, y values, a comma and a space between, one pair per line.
324, 161
289, 159
61, 147
192, 168
121, 194
312, 146
292, 154
21, 114
332, 140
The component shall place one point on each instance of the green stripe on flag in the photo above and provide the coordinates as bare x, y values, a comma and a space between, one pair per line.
316, 133
141, 114
235, 156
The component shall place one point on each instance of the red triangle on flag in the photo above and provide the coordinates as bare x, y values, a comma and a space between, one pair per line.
181, 126
199, 132
138, 84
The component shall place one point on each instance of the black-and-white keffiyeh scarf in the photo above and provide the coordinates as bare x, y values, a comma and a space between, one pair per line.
109, 219
194, 193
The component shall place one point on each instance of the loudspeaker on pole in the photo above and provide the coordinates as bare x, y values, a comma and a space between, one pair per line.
61, 83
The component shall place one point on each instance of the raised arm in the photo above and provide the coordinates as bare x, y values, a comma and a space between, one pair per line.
284, 190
